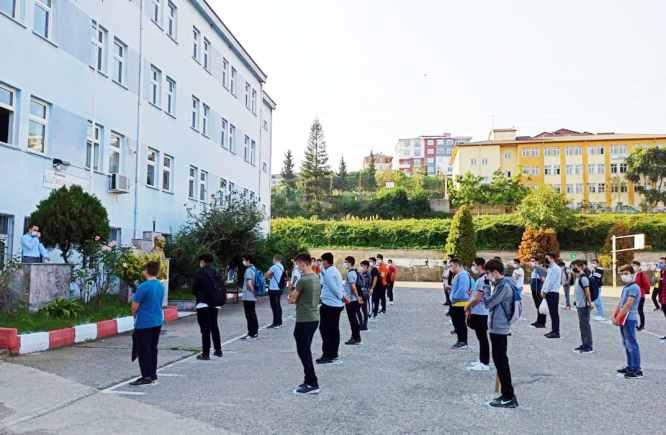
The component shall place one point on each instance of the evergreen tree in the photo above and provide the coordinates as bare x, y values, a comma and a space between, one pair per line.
315, 169
341, 177
287, 172
371, 172
461, 241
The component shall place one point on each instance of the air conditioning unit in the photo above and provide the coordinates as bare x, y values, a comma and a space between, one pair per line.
118, 183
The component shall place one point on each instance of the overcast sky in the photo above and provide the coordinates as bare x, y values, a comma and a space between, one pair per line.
374, 71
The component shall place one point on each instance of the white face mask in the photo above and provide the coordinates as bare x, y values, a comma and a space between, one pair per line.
516, 265
373, 264
475, 269
627, 278
34, 233
346, 265
532, 264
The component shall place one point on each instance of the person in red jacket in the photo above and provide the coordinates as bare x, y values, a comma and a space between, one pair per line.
643, 281
662, 295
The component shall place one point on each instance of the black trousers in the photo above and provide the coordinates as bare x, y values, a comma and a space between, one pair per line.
329, 328
641, 312
389, 290
251, 317
655, 297
353, 311
501, 360
276, 306
378, 296
146, 341
479, 323
365, 311
303, 333
459, 325
553, 301
207, 318
535, 286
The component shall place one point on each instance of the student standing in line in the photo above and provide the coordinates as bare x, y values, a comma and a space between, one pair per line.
536, 283
662, 294
353, 301
295, 274
477, 315
148, 318
567, 282
626, 317
375, 288
518, 274
249, 297
551, 292
332, 304
305, 294
597, 280
460, 288
365, 282
643, 282
276, 276
500, 306
392, 277
382, 283
583, 301
659, 274
204, 287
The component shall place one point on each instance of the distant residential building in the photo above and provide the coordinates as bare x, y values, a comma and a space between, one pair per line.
383, 162
430, 153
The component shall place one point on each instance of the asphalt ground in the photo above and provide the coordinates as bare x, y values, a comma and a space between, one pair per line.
403, 379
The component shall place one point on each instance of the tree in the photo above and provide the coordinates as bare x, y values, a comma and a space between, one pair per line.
287, 172
341, 176
70, 219
506, 191
461, 241
370, 174
647, 169
536, 243
315, 169
544, 208
467, 190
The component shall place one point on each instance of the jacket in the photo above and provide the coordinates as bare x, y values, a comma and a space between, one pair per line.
643, 282
500, 307
662, 291
203, 286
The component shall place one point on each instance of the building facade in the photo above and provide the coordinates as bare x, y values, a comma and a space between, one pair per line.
430, 154
383, 162
589, 168
151, 105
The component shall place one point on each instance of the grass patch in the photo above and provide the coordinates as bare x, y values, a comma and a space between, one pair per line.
108, 307
181, 294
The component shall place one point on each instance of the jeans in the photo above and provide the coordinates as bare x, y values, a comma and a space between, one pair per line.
378, 296
599, 305
389, 291
567, 295
329, 328
353, 311
584, 325
146, 341
275, 297
501, 360
458, 319
631, 348
251, 317
553, 300
365, 311
207, 318
641, 313
479, 323
303, 333
535, 286
27, 259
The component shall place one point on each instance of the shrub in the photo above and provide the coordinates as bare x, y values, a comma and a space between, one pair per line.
461, 241
545, 208
537, 243
63, 309
129, 267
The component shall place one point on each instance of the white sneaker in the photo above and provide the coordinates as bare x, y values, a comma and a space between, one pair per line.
391, 303
479, 367
599, 318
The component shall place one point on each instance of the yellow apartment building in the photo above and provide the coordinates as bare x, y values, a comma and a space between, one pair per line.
589, 168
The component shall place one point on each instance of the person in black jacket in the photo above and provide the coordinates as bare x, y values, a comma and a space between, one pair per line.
204, 288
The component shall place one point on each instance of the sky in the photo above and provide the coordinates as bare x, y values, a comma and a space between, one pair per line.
374, 71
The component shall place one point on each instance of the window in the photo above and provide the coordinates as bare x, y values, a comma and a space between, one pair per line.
613, 168
232, 86
570, 169
222, 192
253, 153
246, 149
223, 133
171, 96
116, 235
167, 168
591, 169
196, 42
39, 111
552, 152
192, 183
570, 188
225, 72
574, 151
42, 18
618, 150
172, 23
232, 138
578, 188
195, 113
601, 188
595, 150
551, 170
7, 110
623, 188
472, 162
530, 152
247, 95
601, 169
93, 146
578, 169
99, 35
203, 185
254, 101
204, 125
556, 187
592, 188
8, 7
152, 159
119, 56
155, 85
206, 54
623, 168
115, 153
507, 156
155, 12
484, 162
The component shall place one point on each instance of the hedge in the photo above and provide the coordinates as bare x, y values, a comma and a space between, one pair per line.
492, 232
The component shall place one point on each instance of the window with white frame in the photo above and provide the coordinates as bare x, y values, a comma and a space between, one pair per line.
570, 188
601, 187
223, 133
232, 85
119, 61
206, 54
172, 21
192, 183
222, 191
570, 169
592, 188
578, 169
203, 185
156, 12
507, 156
246, 149
93, 146
171, 96
9, 7
195, 113
7, 111
167, 171
623, 168
484, 162
254, 101
232, 190
152, 160
225, 72
232, 138
99, 38
595, 150
247, 95
578, 188
591, 169
601, 169
548, 170
613, 168
42, 17
115, 153
39, 112
530, 152
472, 162
253, 153
551, 152
530, 170
204, 119
155, 86
196, 43
618, 150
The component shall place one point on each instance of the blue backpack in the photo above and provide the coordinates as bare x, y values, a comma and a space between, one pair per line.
259, 282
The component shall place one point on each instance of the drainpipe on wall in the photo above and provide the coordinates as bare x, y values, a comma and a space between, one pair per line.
137, 152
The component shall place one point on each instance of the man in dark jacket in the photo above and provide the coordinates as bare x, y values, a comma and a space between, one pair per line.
205, 285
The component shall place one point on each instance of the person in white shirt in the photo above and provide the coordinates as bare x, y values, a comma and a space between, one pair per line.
551, 292
518, 273
276, 283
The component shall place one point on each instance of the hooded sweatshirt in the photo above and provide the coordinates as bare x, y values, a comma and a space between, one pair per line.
500, 306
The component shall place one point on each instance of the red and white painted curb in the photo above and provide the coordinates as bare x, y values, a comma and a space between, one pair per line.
21, 344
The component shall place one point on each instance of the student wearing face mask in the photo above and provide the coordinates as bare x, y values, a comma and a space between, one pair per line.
551, 292
536, 284
660, 271
460, 290
518, 273
249, 297
583, 301
597, 281
332, 304
477, 315
353, 300
643, 282
626, 317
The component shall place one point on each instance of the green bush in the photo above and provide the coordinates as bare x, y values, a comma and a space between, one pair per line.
63, 309
461, 241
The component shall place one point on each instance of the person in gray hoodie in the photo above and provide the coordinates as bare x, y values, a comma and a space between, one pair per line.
500, 305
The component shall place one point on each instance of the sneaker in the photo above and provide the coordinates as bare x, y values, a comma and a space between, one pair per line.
141, 381
218, 353
578, 349
552, 335
537, 325
352, 342
364, 328
459, 346
391, 303
633, 374
623, 370
586, 350
202, 357
478, 367
663, 338
271, 326
504, 403
323, 360
278, 326
453, 332
306, 389
599, 318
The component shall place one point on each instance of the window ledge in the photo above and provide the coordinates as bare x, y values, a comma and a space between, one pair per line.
120, 84
155, 106
47, 40
14, 19
102, 73
37, 153
170, 115
159, 25
155, 188
168, 192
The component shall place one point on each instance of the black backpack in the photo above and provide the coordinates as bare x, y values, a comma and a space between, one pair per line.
219, 296
283, 279
594, 285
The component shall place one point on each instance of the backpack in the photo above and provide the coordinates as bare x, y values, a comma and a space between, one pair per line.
362, 282
595, 286
517, 306
219, 296
259, 282
282, 283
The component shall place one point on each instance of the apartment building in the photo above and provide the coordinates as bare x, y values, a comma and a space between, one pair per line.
589, 168
430, 154
382, 162
152, 105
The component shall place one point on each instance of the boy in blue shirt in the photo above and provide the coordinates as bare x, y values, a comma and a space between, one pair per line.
460, 291
626, 317
276, 285
148, 317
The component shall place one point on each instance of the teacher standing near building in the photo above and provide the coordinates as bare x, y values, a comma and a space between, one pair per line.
32, 250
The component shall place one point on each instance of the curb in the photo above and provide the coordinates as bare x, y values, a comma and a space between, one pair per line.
21, 344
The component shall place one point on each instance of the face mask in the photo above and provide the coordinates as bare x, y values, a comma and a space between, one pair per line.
593, 265
516, 265
346, 265
627, 278
373, 264
33, 234
475, 270
644, 268
246, 264
532, 264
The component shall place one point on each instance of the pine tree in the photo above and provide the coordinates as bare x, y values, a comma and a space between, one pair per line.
315, 169
461, 242
371, 173
287, 172
341, 176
